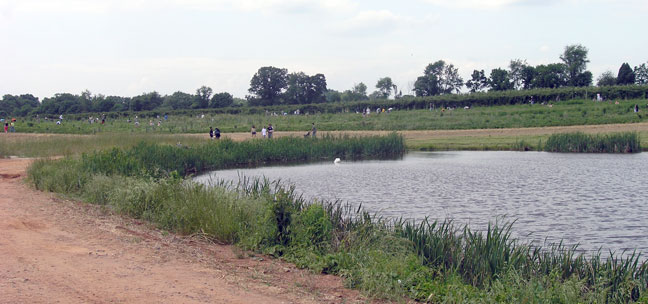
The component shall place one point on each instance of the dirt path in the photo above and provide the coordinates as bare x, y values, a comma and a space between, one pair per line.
60, 251
434, 134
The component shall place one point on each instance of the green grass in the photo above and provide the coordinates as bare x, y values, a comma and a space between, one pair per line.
160, 160
564, 113
385, 258
627, 142
59, 144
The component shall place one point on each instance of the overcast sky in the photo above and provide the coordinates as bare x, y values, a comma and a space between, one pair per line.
128, 47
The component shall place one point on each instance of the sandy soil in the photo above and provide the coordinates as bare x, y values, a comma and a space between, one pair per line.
60, 251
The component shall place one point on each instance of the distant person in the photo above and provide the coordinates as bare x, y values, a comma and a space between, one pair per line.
313, 131
264, 132
211, 133
217, 133
270, 130
253, 131
636, 108
6, 127
11, 127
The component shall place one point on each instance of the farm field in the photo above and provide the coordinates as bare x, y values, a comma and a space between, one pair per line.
566, 113
44, 145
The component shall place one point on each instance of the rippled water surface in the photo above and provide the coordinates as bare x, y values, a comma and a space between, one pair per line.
597, 200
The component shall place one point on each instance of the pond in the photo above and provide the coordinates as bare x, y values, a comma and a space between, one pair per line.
595, 200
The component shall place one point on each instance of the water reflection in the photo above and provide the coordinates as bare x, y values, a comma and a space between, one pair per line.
597, 200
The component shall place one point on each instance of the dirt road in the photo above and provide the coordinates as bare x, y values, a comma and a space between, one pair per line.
59, 251
435, 134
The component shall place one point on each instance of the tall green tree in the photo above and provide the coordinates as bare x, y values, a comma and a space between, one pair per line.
641, 74
202, 97
607, 78
516, 72
477, 82
575, 59
221, 100
333, 96
384, 86
528, 74
18, 105
552, 75
267, 85
626, 75
178, 100
451, 81
304, 89
356, 93
146, 102
499, 80
438, 78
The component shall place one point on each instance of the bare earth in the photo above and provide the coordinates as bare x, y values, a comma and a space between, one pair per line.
433, 134
60, 251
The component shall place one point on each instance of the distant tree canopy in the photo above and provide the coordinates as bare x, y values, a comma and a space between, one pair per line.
575, 59
626, 75
641, 74
607, 78
19, 105
221, 100
477, 82
438, 79
385, 86
500, 81
267, 85
357, 92
275, 86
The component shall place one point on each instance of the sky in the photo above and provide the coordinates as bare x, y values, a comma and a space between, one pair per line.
130, 47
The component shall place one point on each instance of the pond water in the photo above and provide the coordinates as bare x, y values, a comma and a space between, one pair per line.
595, 200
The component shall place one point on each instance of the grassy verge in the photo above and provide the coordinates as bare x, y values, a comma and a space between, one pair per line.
435, 262
46, 145
499, 143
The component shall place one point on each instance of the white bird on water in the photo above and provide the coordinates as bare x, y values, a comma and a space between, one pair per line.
337, 161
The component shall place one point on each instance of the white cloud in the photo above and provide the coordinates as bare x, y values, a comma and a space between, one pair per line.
496, 4
371, 20
474, 4
104, 6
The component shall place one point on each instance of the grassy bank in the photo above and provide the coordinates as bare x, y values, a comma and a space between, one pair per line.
386, 258
627, 142
563, 113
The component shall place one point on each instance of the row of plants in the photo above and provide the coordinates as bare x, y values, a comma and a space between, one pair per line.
159, 160
572, 112
626, 142
385, 258
495, 98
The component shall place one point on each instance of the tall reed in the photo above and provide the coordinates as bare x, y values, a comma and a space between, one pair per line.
626, 142
428, 260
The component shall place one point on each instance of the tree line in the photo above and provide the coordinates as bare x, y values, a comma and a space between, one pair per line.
272, 86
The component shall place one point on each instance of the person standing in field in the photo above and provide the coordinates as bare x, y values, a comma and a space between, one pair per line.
270, 130
253, 131
314, 131
217, 133
264, 131
211, 133
6, 127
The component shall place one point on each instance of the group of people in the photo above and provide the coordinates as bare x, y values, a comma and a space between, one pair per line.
265, 131
214, 133
9, 126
